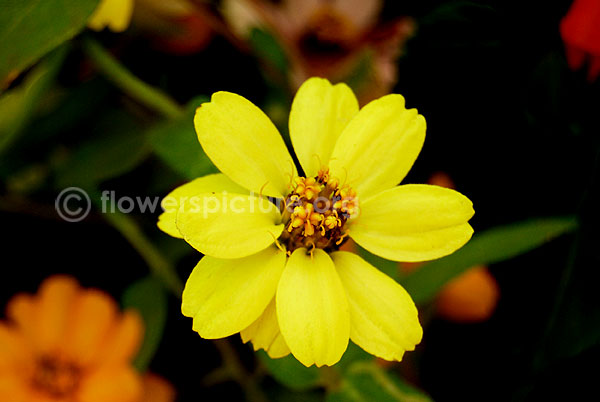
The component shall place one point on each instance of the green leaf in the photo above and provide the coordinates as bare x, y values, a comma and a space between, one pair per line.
148, 297
488, 247
353, 354
18, 105
366, 382
176, 143
266, 47
31, 28
290, 372
120, 147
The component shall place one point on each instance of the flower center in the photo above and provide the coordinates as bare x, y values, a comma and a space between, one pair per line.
56, 377
315, 213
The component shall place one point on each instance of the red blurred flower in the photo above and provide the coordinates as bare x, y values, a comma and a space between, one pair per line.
580, 30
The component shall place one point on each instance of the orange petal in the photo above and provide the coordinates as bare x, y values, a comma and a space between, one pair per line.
111, 384
157, 389
91, 318
55, 300
123, 341
15, 354
471, 297
22, 310
13, 388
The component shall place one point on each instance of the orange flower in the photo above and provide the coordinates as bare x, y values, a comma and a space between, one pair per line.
470, 297
68, 344
157, 389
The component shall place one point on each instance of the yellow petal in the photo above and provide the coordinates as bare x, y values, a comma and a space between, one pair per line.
320, 112
384, 319
312, 309
413, 222
114, 14
207, 184
265, 334
226, 296
244, 144
379, 146
229, 225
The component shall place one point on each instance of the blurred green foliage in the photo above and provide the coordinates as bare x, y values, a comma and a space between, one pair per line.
176, 143
149, 298
31, 28
18, 105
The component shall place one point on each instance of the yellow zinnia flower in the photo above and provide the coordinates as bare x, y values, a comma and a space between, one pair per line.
272, 268
112, 14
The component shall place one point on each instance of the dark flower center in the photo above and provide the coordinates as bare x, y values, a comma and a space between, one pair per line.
315, 213
56, 377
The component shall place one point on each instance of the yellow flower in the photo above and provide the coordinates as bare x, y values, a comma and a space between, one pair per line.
68, 344
272, 268
114, 14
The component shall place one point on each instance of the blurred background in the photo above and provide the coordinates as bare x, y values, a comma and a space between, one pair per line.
510, 93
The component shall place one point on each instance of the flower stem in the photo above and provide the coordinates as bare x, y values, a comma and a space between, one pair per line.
151, 97
157, 263
237, 371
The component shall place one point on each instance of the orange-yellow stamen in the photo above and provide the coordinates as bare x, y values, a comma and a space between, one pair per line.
307, 187
315, 213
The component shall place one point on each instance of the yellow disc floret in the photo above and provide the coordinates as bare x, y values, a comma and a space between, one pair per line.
307, 187
315, 213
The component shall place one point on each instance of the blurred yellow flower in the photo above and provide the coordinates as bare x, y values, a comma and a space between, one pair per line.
112, 14
273, 270
69, 344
